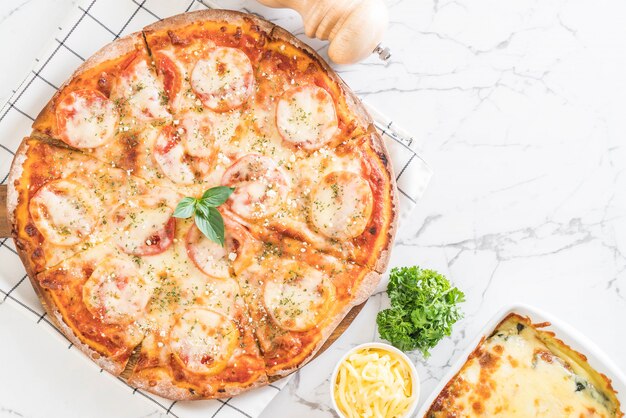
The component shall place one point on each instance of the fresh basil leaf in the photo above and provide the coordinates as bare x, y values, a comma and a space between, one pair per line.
202, 208
212, 225
215, 196
217, 222
206, 217
205, 227
185, 208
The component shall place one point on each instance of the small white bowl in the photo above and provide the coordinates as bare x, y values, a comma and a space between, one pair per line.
415, 381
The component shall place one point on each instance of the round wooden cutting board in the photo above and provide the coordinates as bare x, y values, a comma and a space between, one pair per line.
5, 232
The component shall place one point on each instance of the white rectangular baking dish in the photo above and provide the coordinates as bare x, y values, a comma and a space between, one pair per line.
596, 358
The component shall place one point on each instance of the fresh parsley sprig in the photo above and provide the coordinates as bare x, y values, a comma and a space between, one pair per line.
204, 211
424, 306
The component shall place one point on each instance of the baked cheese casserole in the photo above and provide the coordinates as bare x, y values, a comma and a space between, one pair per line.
523, 371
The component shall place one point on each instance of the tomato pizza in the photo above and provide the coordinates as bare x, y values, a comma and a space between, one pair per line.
199, 100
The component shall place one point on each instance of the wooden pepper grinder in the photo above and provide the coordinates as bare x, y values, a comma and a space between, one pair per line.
354, 27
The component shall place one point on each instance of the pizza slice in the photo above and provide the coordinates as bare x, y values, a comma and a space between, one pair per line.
226, 61
63, 202
198, 339
113, 92
300, 102
96, 298
238, 85
115, 108
206, 59
180, 305
296, 296
338, 201
206, 68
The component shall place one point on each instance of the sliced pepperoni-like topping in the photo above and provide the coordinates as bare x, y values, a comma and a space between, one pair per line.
64, 211
144, 226
260, 186
116, 291
170, 155
341, 205
224, 79
212, 258
207, 255
297, 296
203, 341
139, 90
204, 133
306, 117
169, 72
86, 119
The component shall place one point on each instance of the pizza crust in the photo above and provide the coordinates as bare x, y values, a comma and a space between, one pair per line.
378, 144
107, 364
168, 390
116, 49
228, 16
14, 186
15, 174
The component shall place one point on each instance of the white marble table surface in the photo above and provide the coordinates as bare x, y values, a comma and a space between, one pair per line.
520, 108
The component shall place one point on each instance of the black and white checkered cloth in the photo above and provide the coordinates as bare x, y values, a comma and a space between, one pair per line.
91, 25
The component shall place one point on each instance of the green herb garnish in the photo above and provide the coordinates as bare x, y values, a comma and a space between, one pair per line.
204, 211
423, 309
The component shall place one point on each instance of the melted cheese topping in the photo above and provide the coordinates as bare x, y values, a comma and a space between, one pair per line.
116, 292
174, 284
296, 296
517, 372
260, 186
197, 135
143, 226
373, 382
341, 205
203, 133
180, 282
64, 211
203, 341
93, 185
140, 92
223, 125
224, 79
86, 119
306, 117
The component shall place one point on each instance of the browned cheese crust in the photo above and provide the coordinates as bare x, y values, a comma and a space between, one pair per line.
533, 349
